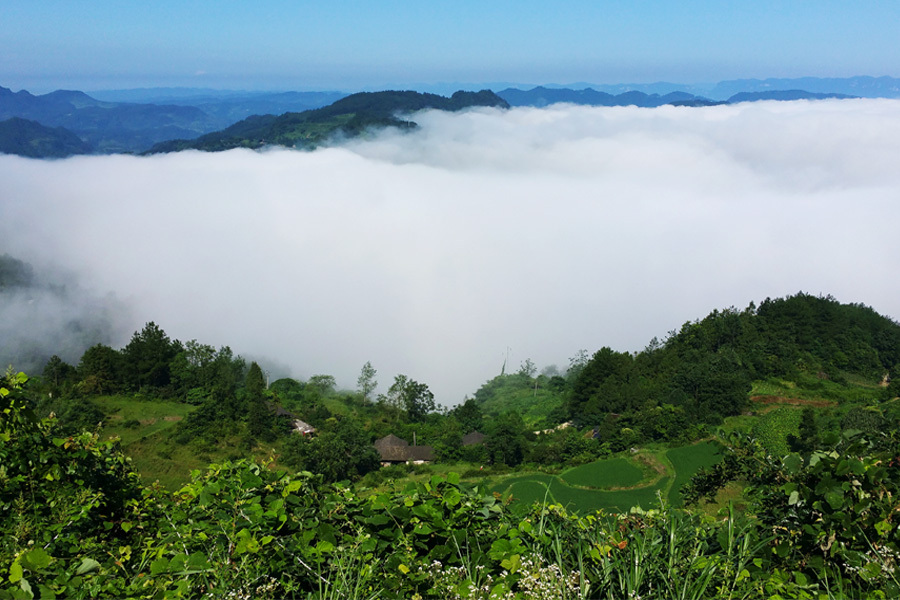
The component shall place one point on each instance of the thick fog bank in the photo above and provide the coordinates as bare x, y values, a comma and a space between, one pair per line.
432, 253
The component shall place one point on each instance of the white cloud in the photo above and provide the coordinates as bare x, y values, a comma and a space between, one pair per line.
429, 254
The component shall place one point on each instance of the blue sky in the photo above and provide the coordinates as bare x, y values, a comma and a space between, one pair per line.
347, 45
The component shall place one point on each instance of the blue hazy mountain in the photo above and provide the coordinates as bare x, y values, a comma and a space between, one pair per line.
862, 86
226, 107
30, 138
543, 96
106, 126
784, 95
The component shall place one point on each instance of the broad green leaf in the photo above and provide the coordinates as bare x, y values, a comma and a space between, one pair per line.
15, 572
87, 565
158, 566
36, 559
835, 500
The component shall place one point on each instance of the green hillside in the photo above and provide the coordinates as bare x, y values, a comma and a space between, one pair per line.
348, 117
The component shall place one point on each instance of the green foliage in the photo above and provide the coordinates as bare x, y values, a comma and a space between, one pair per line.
74, 523
505, 440
412, 398
773, 429
342, 451
147, 357
366, 383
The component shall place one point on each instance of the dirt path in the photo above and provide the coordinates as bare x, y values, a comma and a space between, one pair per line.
792, 401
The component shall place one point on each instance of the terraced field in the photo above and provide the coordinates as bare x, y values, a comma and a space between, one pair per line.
614, 485
687, 460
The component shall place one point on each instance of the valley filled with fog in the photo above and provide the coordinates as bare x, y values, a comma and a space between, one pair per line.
527, 233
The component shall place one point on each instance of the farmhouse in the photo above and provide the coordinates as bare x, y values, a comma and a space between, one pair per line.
394, 450
297, 425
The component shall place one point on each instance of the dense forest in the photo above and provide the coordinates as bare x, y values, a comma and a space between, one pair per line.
800, 393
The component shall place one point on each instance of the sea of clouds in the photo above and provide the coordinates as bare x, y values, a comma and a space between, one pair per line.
528, 233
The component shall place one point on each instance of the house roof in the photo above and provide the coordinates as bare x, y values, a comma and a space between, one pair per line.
391, 441
394, 449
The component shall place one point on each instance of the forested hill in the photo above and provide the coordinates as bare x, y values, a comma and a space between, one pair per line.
31, 139
348, 117
703, 372
787, 350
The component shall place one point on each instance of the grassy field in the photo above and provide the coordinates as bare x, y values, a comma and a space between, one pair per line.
144, 428
133, 419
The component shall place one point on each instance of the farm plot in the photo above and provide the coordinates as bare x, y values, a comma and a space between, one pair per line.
613, 485
541, 487
604, 474
687, 460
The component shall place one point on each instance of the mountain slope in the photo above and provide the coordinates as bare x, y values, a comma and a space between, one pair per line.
350, 116
107, 126
31, 139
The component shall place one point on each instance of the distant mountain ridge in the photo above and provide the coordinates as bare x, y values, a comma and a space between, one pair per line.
30, 138
137, 120
540, 97
106, 126
350, 116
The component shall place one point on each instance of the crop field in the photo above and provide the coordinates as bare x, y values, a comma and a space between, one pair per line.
540, 487
687, 460
599, 485
773, 428
604, 474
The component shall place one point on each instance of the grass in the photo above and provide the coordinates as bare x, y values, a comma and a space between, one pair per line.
145, 428
153, 417
533, 405
811, 388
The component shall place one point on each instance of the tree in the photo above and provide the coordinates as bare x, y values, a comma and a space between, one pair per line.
323, 384
259, 417
527, 368
366, 383
343, 451
412, 397
99, 369
469, 415
147, 357
576, 364
57, 371
506, 441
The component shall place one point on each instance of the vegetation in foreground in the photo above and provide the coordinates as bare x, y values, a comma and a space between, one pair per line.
801, 392
820, 526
